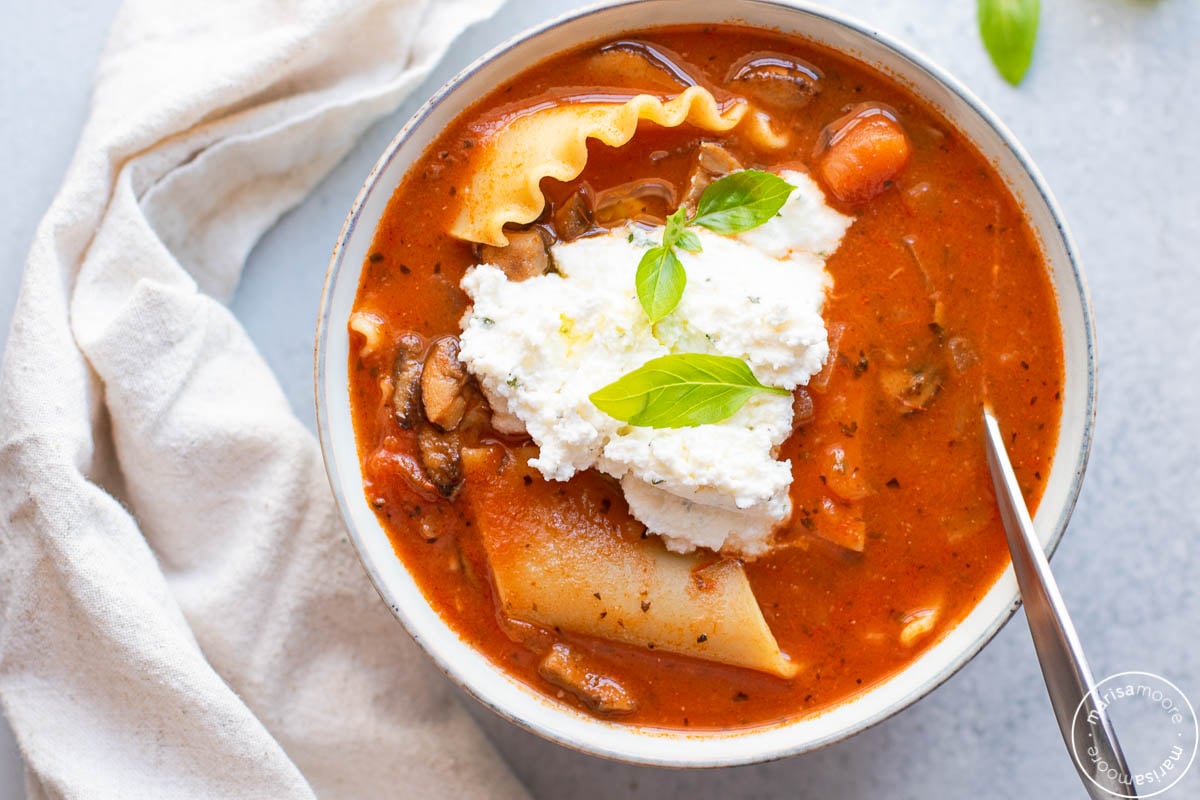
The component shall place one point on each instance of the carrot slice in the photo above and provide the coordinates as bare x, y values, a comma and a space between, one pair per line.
863, 158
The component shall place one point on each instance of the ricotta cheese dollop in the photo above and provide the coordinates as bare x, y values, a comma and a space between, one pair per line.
541, 346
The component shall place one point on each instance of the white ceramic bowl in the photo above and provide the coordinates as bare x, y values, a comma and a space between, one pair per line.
470, 669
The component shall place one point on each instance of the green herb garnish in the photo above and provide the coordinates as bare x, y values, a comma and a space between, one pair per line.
733, 204
741, 201
686, 389
660, 281
681, 390
1009, 29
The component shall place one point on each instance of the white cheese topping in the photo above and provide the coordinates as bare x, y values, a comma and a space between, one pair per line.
540, 347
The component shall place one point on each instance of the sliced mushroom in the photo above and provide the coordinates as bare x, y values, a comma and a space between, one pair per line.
802, 408
712, 162
915, 389
406, 374
777, 81
443, 381
478, 416
660, 58
525, 257
439, 452
645, 197
569, 670
575, 217
390, 465
629, 67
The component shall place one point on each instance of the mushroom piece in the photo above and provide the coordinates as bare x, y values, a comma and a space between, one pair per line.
406, 377
777, 81
575, 218
478, 414
646, 198
802, 408
443, 381
669, 63
569, 670
712, 162
388, 463
525, 256
439, 452
627, 66
914, 389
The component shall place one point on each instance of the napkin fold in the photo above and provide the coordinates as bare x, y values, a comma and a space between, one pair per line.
181, 614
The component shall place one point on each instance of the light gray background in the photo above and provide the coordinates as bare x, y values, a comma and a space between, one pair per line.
1109, 112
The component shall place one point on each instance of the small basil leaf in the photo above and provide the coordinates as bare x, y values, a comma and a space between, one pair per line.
741, 201
660, 280
681, 390
674, 228
688, 241
1009, 29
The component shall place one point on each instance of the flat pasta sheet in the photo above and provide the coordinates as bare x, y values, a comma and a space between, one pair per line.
578, 563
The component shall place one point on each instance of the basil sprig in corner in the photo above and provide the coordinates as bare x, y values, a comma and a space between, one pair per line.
687, 389
735, 203
681, 390
1009, 29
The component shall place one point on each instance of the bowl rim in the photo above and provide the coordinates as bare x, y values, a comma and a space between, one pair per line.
917, 60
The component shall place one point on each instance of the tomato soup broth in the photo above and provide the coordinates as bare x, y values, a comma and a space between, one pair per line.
940, 301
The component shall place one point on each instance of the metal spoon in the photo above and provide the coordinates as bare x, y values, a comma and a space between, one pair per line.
1064, 667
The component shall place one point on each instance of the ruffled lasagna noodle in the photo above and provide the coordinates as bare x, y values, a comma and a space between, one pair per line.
551, 142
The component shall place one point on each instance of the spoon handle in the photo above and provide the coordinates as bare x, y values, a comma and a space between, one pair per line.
1068, 678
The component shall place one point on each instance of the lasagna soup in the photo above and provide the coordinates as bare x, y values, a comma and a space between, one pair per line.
667, 368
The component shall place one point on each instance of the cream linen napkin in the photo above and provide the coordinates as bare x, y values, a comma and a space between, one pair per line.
182, 616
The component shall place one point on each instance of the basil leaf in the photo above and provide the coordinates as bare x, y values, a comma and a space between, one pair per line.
741, 201
688, 241
681, 390
660, 280
1008, 29
674, 228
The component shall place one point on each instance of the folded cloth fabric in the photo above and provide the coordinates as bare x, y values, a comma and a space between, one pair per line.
180, 612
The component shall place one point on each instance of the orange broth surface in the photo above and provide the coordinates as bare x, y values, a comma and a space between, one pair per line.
947, 239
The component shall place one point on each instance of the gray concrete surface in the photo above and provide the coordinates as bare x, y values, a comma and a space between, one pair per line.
1109, 112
